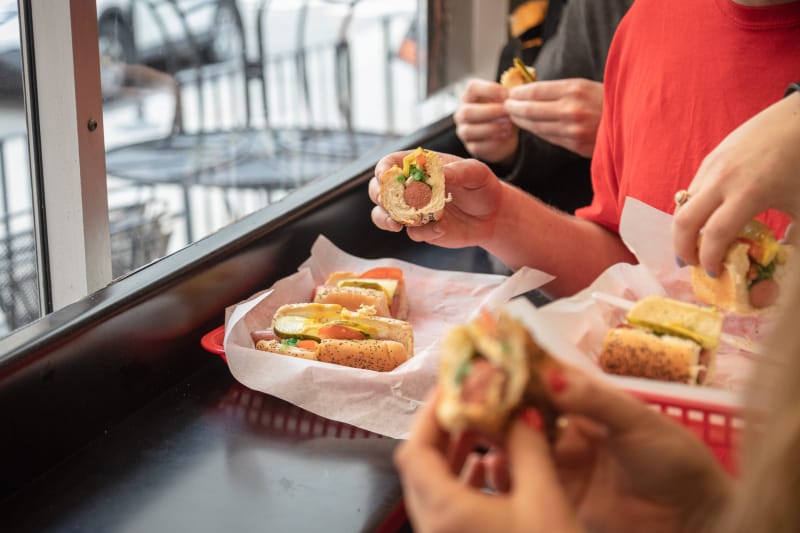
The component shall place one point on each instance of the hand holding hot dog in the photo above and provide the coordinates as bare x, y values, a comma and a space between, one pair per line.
562, 112
753, 169
617, 466
467, 219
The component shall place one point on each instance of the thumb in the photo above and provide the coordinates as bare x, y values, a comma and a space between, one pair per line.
469, 174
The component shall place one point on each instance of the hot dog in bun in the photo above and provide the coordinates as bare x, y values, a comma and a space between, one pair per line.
753, 271
517, 74
489, 369
415, 194
381, 288
332, 334
664, 339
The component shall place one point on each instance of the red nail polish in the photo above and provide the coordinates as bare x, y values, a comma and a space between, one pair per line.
556, 380
532, 419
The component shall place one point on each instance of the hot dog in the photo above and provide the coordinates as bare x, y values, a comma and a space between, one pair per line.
753, 271
381, 288
517, 74
415, 194
333, 334
489, 369
664, 339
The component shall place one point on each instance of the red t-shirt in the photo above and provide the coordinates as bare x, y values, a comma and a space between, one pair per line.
680, 76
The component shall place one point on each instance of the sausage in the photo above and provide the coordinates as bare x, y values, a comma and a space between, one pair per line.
263, 335
417, 194
764, 293
479, 381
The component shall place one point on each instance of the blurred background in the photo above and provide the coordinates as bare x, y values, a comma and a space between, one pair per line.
213, 109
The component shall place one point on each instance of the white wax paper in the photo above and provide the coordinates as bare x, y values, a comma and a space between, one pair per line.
573, 329
381, 402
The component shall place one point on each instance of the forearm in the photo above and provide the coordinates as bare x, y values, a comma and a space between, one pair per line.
527, 232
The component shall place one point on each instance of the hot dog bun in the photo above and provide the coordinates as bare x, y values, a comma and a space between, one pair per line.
364, 340
387, 295
515, 75
664, 339
756, 254
489, 369
395, 182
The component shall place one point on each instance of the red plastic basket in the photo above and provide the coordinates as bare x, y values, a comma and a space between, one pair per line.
717, 426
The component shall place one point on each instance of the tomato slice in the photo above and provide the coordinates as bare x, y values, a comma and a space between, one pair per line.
421, 161
340, 332
755, 249
383, 273
488, 320
307, 344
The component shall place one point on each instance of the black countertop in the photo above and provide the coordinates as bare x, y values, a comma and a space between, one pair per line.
210, 455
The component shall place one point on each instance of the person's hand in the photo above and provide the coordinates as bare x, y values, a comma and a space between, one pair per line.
438, 501
753, 169
617, 466
562, 112
483, 125
468, 219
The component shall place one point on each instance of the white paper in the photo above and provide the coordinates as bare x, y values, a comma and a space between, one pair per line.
381, 402
573, 329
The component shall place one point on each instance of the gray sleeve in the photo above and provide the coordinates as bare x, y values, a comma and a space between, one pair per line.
580, 46
578, 49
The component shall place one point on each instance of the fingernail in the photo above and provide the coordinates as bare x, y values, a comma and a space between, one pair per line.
437, 229
711, 274
679, 262
556, 380
531, 418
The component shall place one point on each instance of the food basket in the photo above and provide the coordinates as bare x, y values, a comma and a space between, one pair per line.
717, 426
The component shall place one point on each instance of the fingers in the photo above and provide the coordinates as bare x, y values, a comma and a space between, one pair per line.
546, 89
533, 475
575, 392
495, 466
478, 91
494, 131
533, 111
719, 232
717, 219
480, 113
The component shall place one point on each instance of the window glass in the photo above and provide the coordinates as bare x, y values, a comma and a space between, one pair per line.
216, 108
19, 292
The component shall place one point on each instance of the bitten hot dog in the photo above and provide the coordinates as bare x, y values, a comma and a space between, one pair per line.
489, 369
381, 288
664, 339
753, 271
415, 194
517, 74
332, 334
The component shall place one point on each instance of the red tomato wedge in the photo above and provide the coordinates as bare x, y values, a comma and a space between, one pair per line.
307, 344
488, 320
340, 332
755, 250
383, 273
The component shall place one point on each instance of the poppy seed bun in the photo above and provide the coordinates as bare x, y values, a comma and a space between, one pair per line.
392, 186
639, 353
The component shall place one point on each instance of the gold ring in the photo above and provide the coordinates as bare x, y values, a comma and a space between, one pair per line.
681, 197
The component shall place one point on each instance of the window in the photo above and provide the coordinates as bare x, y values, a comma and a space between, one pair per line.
215, 108
19, 281
206, 110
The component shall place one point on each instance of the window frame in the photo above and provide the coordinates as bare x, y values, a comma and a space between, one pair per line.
66, 149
